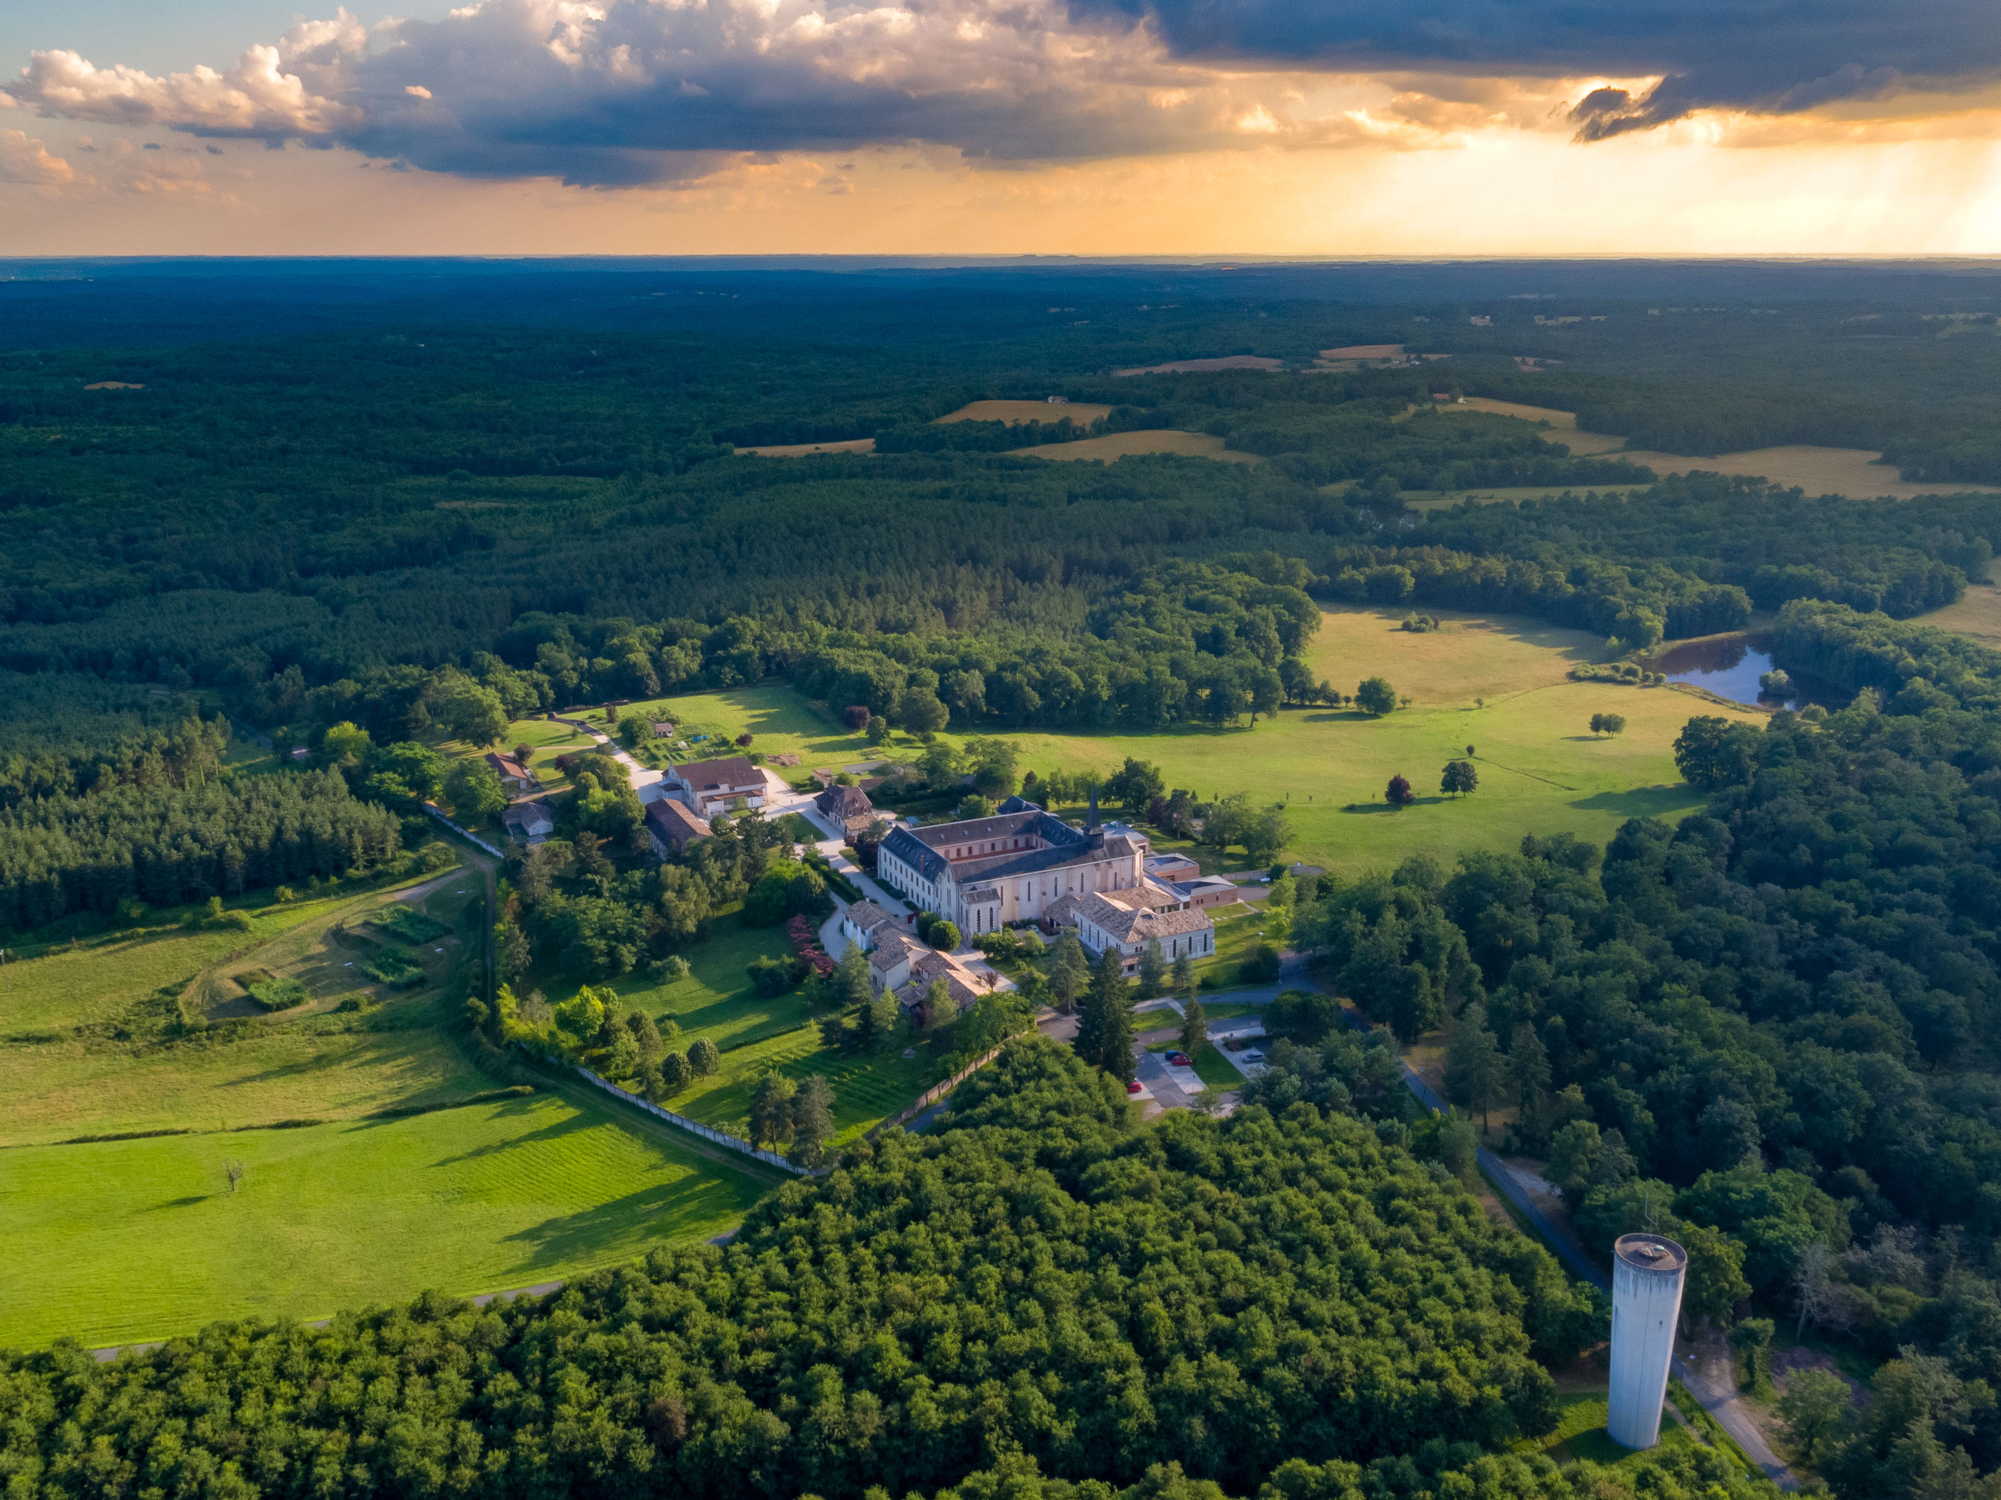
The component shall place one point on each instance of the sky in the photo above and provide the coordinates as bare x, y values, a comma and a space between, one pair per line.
1089, 127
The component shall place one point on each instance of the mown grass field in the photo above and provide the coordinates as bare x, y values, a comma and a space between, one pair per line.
133, 1240
1541, 771
112, 1241
57, 986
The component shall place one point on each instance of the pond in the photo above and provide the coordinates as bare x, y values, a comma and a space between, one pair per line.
1730, 666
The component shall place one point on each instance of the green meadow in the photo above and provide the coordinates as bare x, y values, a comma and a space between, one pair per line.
375, 1160
125, 1241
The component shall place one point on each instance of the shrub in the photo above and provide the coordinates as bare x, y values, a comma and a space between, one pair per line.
944, 935
278, 993
773, 976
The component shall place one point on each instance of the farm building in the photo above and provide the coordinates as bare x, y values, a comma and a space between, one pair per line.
716, 786
514, 776
846, 808
531, 822
673, 827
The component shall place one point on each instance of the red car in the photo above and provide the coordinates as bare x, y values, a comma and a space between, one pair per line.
1133, 1087
1179, 1059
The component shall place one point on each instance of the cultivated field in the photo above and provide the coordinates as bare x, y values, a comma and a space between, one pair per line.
801, 450
348, 1195
1205, 366
1014, 413
1817, 470
1115, 445
1364, 351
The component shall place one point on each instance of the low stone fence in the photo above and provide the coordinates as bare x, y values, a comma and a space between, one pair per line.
936, 1092
681, 1122
470, 837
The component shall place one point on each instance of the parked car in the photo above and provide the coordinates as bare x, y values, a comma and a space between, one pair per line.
1133, 1087
1254, 1057
1236, 1043
1179, 1059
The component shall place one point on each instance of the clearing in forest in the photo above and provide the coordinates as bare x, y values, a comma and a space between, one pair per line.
1115, 445
1016, 413
1977, 615
1541, 770
802, 450
1819, 470
1206, 366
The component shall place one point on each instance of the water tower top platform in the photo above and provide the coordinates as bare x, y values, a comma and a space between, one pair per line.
1650, 1252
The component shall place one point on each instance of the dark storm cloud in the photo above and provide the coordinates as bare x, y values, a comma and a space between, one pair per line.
1755, 55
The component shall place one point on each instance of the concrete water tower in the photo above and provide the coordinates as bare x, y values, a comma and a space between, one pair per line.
1647, 1275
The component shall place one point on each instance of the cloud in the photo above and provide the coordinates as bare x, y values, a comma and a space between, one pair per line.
639, 92
1705, 54
26, 161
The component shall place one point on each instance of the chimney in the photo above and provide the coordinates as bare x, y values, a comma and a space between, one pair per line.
1091, 818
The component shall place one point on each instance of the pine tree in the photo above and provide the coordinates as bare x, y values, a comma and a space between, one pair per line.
1152, 971
1069, 972
771, 1110
1105, 1022
853, 984
1473, 1063
1529, 1071
1184, 985
1194, 1025
812, 1121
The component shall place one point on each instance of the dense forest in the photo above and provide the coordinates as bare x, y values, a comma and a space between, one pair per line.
1040, 1287
375, 509
1768, 1029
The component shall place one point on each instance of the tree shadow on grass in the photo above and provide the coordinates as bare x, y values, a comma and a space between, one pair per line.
187, 1202
1642, 801
632, 1223
1384, 807
1341, 716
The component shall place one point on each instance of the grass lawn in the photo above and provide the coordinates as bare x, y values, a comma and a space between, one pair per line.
125, 1240
1215, 1069
133, 1240
757, 1033
716, 1000
1580, 1434
1238, 929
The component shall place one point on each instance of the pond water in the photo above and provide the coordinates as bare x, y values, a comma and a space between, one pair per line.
1730, 666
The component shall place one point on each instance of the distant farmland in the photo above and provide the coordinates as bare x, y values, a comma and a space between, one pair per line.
1017, 413
1153, 440
803, 450
1204, 366
1817, 470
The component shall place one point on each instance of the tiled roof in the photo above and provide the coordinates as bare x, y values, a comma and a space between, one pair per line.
844, 802
865, 914
719, 775
509, 767
675, 822
1141, 924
